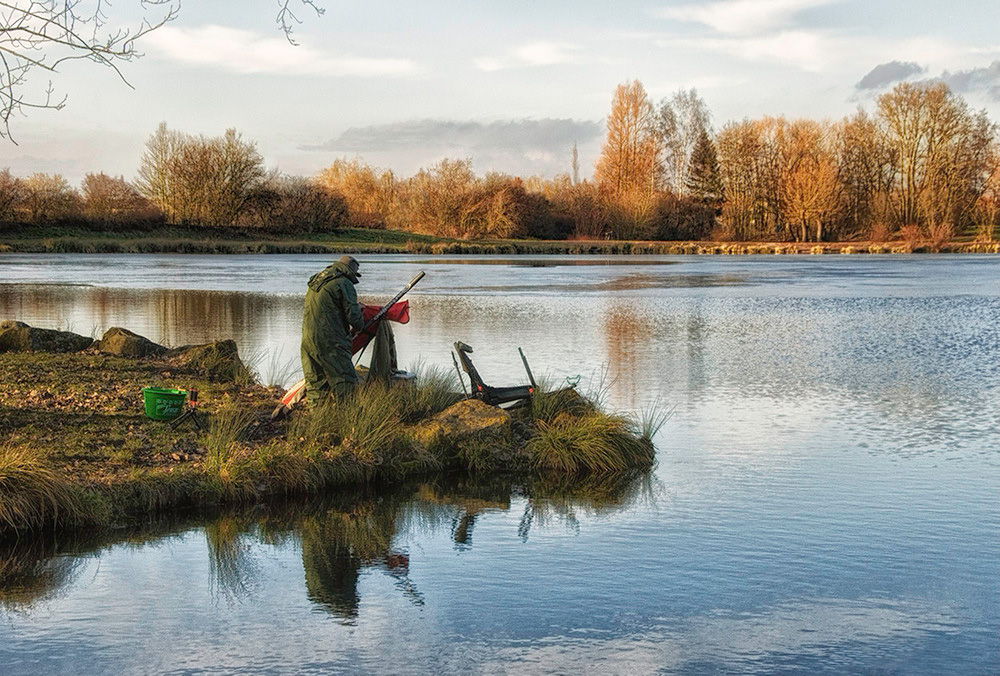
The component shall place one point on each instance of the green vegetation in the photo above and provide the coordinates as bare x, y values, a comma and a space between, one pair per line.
77, 450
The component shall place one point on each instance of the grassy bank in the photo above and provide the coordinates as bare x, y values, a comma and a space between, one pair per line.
206, 240
77, 451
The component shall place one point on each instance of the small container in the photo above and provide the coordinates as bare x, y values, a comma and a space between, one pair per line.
163, 403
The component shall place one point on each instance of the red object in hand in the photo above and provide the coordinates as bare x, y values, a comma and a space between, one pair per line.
399, 312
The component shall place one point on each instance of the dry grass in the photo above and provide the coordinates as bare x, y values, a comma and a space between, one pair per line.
595, 442
32, 494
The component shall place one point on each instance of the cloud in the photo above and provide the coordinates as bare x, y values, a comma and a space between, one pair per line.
532, 54
982, 80
742, 16
521, 147
986, 79
887, 73
242, 51
523, 136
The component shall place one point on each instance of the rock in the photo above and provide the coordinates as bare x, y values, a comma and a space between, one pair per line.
460, 421
219, 360
117, 340
19, 337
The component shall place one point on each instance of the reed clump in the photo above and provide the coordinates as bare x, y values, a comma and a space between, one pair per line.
33, 494
574, 435
595, 442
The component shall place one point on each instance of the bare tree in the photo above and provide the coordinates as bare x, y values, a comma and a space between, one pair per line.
865, 176
11, 194
49, 197
108, 199
199, 180
41, 35
921, 121
680, 121
808, 180
576, 164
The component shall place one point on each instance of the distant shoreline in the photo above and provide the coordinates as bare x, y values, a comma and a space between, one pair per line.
222, 241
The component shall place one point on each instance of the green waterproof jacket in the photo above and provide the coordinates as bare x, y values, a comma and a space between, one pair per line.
331, 310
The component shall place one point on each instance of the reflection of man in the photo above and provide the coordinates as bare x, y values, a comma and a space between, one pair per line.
331, 311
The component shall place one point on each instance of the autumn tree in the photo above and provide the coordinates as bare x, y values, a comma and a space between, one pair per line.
749, 167
808, 179
11, 194
49, 197
368, 193
431, 200
107, 199
628, 160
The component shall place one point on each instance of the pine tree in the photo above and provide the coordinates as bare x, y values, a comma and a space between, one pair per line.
703, 180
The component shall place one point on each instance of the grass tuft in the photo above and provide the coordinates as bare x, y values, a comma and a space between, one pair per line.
595, 442
32, 494
651, 419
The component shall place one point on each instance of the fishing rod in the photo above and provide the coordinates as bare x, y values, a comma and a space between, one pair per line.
382, 312
385, 308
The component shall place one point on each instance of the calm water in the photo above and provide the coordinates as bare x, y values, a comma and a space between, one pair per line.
825, 500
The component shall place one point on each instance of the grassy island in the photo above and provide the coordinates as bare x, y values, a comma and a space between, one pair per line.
76, 449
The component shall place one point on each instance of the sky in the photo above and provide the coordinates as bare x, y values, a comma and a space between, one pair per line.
510, 85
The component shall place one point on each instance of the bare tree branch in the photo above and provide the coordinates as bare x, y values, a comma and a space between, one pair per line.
287, 18
41, 35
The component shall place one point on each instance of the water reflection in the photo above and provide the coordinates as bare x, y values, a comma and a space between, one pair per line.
339, 537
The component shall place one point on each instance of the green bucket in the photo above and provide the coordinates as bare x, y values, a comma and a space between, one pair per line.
163, 403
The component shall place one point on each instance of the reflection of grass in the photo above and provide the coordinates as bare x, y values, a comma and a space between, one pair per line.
27, 576
341, 534
230, 566
559, 497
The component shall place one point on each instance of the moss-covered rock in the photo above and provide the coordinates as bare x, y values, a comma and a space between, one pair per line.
19, 337
123, 342
219, 360
462, 421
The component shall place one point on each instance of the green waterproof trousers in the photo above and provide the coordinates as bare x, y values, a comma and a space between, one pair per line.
331, 311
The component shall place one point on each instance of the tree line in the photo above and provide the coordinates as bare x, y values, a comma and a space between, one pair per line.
922, 165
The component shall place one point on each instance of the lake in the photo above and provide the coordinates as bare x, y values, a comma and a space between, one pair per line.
825, 499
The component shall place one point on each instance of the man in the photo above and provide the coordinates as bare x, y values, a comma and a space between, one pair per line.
331, 312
